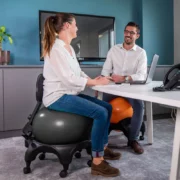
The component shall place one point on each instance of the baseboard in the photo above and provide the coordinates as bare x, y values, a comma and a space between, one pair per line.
8, 134
160, 116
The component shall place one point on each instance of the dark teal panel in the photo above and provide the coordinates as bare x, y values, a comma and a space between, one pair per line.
137, 14
158, 29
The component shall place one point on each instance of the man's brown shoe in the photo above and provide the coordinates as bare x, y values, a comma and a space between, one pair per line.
110, 155
104, 169
136, 147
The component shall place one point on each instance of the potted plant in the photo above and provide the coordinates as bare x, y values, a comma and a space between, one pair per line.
4, 55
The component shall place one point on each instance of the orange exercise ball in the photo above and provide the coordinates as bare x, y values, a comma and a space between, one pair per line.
121, 109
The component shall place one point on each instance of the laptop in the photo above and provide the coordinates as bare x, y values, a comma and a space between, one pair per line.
151, 71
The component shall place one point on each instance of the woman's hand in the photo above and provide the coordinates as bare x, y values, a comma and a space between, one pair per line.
97, 77
102, 81
98, 81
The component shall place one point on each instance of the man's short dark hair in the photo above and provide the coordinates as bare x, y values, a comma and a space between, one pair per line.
133, 24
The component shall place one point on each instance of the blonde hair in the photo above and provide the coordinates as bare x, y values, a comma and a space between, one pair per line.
53, 25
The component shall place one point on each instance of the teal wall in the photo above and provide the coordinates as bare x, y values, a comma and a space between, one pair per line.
21, 19
154, 16
136, 6
158, 31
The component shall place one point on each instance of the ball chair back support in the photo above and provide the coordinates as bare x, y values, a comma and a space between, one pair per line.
34, 147
27, 130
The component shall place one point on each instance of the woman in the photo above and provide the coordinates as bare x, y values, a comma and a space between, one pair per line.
63, 82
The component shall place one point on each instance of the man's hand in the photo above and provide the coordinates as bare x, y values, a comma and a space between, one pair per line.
118, 78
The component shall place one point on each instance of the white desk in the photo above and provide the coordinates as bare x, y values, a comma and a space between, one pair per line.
145, 93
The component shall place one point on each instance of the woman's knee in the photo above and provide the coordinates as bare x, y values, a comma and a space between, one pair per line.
102, 114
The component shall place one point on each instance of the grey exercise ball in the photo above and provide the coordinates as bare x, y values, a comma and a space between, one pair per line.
53, 127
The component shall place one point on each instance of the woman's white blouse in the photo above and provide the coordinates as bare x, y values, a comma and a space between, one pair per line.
62, 74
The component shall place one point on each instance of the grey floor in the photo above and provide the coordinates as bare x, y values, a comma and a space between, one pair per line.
154, 164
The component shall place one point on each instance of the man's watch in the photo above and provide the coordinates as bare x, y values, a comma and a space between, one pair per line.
127, 78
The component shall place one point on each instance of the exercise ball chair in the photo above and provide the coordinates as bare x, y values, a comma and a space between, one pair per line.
53, 127
61, 133
122, 113
121, 109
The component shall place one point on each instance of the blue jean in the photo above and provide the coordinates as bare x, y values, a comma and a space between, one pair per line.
137, 118
91, 107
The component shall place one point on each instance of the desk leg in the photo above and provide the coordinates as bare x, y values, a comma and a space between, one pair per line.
100, 95
149, 122
176, 149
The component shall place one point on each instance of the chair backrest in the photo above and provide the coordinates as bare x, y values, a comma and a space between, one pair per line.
39, 88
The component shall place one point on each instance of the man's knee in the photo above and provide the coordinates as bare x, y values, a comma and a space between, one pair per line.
109, 107
138, 104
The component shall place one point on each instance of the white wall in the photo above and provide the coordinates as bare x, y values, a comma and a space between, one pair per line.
176, 31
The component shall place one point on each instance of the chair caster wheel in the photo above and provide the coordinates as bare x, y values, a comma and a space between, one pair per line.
42, 156
63, 173
89, 163
141, 138
78, 155
26, 170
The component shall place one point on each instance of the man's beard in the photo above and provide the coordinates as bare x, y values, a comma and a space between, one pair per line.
127, 41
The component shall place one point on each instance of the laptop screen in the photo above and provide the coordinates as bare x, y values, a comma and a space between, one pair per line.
152, 68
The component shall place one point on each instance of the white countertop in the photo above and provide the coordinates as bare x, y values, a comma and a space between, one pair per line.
143, 92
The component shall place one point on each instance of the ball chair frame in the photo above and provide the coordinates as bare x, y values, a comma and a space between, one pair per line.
64, 152
124, 126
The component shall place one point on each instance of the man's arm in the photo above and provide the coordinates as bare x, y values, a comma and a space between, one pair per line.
141, 72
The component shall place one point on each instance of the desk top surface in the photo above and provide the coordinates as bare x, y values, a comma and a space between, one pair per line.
143, 92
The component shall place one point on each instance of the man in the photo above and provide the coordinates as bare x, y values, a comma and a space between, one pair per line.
125, 63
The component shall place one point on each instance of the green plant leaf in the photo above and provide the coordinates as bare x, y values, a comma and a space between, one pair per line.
4, 35
8, 35
10, 40
3, 29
